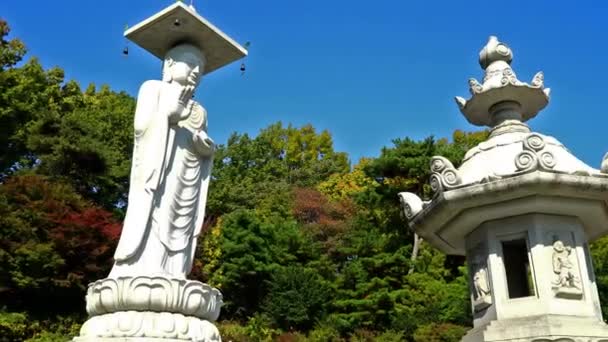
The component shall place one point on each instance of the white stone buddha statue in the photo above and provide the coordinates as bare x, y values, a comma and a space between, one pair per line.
172, 159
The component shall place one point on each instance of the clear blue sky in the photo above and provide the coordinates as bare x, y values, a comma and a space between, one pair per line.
368, 71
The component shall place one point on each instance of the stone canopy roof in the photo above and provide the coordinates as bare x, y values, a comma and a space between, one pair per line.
507, 154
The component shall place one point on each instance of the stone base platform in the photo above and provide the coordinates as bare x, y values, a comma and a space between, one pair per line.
546, 328
148, 309
147, 326
127, 339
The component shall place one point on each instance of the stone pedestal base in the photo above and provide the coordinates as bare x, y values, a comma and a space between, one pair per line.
147, 309
546, 328
147, 326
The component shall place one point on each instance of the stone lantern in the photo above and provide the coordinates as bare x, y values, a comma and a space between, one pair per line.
522, 209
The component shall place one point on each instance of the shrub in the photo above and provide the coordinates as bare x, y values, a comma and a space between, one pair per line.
391, 336
14, 326
47, 336
233, 332
442, 332
259, 328
363, 335
324, 333
291, 337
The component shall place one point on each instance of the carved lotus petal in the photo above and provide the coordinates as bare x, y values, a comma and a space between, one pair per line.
195, 300
166, 323
154, 294
145, 325
140, 297
108, 295
125, 323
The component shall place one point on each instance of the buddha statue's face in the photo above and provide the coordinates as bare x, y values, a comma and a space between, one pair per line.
183, 67
182, 70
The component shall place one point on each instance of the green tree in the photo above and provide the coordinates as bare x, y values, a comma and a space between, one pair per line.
345, 186
599, 253
11, 51
252, 249
26, 92
88, 144
251, 171
84, 138
297, 298
376, 289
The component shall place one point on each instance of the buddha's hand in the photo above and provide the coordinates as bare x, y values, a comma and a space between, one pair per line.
184, 114
169, 101
176, 101
187, 92
203, 145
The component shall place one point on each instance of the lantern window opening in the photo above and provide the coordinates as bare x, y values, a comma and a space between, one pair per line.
518, 269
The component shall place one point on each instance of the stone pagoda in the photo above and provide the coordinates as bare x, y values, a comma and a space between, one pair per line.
522, 209
147, 295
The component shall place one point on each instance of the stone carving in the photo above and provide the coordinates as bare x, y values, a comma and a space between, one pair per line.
411, 203
147, 294
508, 76
526, 160
539, 81
534, 142
566, 284
500, 85
533, 157
480, 280
482, 294
444, 175
157, 294
604, 165
172, 160
490, 178
131, 325
474, 86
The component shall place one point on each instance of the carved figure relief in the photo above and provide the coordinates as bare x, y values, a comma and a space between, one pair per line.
482, 293
566, 283
481, 283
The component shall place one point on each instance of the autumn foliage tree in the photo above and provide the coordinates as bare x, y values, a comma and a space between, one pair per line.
52, 243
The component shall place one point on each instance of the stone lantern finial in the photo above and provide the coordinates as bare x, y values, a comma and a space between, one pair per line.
494, 51
502, 97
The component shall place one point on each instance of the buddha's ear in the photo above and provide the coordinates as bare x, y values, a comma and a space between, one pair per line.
167, 77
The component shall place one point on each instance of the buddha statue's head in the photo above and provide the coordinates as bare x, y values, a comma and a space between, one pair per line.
184, 64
